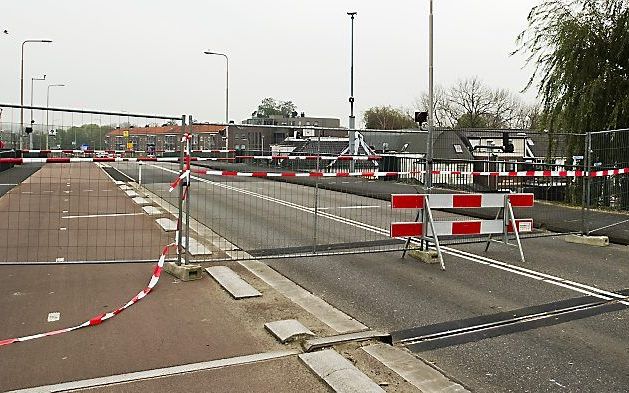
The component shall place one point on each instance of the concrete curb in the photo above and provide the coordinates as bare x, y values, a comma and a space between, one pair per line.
338, 372
595, 241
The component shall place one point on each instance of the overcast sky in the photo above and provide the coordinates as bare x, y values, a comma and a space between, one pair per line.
146, 55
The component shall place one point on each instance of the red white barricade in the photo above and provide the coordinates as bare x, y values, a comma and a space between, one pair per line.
312, 158
427, 229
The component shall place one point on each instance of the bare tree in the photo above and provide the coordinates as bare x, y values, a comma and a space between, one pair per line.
471, 104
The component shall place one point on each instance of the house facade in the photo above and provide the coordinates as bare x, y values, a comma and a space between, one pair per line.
153, 140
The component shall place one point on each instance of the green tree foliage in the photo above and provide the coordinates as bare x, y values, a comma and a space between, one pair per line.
270, 106
92, 135
387, 118
580, 50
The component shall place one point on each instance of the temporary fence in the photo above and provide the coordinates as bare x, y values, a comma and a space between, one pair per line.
305, 196
67, 204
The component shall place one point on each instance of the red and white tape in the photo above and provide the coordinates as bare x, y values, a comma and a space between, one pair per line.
312, 158
70, 151
296, 174
98, 319
65, 160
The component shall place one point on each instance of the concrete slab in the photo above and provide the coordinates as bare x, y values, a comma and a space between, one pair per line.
195, 248
184, 272
338, 372
141, 201
119, 183
125, 187
152, 210
288, 330
131, 193
167, 224
596, 241
232, 283
424, 377
322, 342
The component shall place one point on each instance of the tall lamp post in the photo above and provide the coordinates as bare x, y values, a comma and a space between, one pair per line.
22, 87
353, 145
47, 106
431, 107
208, 52
33, 121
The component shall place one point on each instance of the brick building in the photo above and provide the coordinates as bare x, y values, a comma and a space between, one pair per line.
165, 138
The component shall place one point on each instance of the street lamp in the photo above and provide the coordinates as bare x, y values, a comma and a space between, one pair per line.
208, 52
47, 106
353, 145
431, 108
33, 121
22, 87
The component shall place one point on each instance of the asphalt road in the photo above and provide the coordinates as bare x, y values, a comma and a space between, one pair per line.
579, 352
14, 176
561, 219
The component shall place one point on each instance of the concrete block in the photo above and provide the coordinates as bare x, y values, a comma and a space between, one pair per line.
152, 210
184, 272
339, 373
118, 182
424, 256
167, 224
131, 193
232, 283
288, 330
596, 241
141, 201
125, 187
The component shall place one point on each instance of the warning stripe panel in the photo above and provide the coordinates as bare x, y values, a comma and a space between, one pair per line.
407, 229
522, 200
407, 201
478, 227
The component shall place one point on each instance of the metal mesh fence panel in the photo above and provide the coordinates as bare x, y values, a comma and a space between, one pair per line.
61, 200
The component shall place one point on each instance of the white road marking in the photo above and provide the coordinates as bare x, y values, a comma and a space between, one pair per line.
553, 280
104, 215
160, 372
54, 316
351, 207
63, 229
609, 226
8, 184
59, 259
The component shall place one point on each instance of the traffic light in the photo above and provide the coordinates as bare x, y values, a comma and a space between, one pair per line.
421, 117
507, 146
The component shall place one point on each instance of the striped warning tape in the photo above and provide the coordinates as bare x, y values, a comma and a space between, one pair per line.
70, 151
312, 158
62, 160
98, 319
563, 174
530, 174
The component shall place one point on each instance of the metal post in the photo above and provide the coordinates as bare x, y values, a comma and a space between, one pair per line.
140, 174
587, 186
316, 206
32, 122
431, 110
180, 202
188, 199
353, 137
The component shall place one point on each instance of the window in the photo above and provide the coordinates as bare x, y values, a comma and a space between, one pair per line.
458, 149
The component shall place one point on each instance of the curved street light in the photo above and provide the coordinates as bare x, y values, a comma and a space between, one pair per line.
22, 86
208, 52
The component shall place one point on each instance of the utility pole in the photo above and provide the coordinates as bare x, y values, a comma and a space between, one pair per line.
353, 135
431, 106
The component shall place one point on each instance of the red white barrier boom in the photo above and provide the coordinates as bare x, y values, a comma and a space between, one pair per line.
428, 229
70, 151
98, 319
64, 160
312, 158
